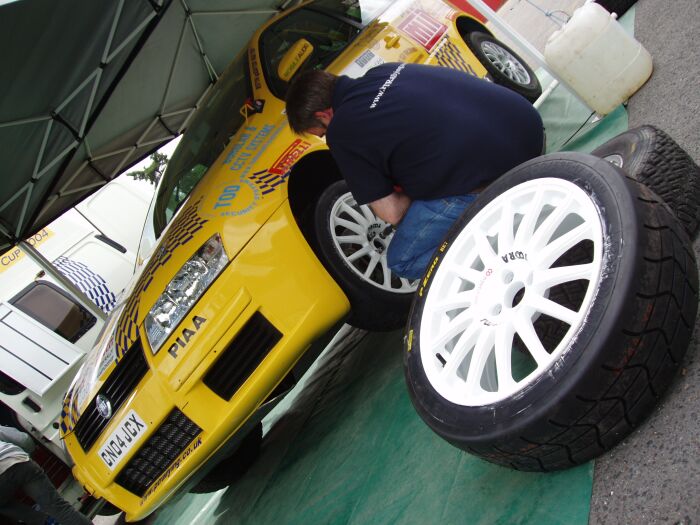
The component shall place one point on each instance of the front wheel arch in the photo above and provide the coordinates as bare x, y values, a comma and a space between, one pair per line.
308, 179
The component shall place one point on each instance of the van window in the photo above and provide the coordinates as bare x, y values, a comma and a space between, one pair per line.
52, 307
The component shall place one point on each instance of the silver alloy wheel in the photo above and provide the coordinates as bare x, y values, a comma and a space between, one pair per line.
506, 63
478, 339
362, 239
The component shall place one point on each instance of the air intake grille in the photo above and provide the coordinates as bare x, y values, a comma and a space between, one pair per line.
243, 355
157, 453
127, 374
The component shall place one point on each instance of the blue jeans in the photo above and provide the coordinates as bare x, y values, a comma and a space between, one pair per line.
420, 232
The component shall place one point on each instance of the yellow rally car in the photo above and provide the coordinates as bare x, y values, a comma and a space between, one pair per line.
261, 254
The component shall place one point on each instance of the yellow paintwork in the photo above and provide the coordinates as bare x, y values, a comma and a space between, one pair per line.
243, 198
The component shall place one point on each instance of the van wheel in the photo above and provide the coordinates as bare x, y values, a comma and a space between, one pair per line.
616, 6
504, 65
650, 156
555, 316
353, 243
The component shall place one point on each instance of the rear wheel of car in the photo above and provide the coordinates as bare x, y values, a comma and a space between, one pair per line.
353, 244
554, 316
230, 469
650, 156
504, 65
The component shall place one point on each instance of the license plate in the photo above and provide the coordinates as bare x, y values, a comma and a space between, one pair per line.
129, 431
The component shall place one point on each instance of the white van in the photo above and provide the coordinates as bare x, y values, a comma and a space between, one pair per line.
44, 332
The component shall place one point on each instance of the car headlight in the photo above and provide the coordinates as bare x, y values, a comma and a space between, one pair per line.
188, 285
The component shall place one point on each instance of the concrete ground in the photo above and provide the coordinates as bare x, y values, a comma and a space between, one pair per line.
654, 476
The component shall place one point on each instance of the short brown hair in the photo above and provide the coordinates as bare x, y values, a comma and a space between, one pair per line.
308, 93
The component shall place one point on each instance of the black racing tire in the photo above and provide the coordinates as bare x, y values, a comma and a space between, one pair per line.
650, 156
230, 469
619, 356
616, 6
504, 65
379, 300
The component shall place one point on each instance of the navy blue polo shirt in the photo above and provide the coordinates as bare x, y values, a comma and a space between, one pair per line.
433, 131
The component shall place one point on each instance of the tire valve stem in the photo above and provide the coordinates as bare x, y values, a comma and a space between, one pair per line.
441, 359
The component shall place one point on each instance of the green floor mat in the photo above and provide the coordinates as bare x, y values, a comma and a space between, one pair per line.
350, 449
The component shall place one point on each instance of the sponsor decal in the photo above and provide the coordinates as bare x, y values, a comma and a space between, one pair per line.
13, 256
289, 157
513, 256
409, 340
423, 28
386, 85
255, 67
186, 335
172, 468
237, 198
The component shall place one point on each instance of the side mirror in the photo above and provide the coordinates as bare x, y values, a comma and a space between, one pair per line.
294, 58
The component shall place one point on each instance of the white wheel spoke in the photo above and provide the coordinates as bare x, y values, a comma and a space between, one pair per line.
356, 215
545, 279
373, 261
368, 214
551, 223
559, 246
455, 301
352, 239
532, 342
503, 350
386, 272
465, 273
551, 308
352, 226
484, 249
365, 250
464, 345
459, 324
480, 354
527, 224
505, 231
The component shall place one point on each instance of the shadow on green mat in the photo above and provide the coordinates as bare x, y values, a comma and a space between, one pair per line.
350, 449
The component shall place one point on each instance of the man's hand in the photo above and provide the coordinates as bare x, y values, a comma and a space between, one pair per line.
391, 208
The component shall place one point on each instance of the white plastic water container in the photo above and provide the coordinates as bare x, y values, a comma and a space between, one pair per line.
597, 58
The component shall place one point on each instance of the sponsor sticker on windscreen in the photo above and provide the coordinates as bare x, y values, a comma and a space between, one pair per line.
129, 431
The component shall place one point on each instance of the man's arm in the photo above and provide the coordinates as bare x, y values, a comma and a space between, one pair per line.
391, 208
17, 437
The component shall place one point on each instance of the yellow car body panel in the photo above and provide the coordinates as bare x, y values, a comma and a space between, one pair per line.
272, 270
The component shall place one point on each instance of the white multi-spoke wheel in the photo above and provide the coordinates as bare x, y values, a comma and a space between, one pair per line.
362, 240
504, 65
354, 243
530, 261
554, 315
651, 156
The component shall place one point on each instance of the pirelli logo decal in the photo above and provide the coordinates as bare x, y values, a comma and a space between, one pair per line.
289, 157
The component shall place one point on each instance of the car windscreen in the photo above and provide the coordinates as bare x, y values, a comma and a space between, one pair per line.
328, 35
361, 11
216, 121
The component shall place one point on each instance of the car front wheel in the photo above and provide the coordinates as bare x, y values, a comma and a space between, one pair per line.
353, 244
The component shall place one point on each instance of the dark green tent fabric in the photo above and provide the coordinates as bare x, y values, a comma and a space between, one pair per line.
90, 88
